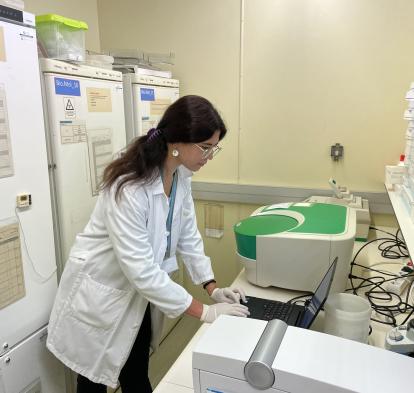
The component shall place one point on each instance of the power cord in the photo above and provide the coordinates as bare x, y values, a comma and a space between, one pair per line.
42, 278
391, 248
296, 299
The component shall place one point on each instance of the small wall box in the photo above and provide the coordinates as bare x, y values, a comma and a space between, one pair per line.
24, 200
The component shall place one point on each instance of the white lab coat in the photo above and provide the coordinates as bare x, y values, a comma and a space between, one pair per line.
115, 268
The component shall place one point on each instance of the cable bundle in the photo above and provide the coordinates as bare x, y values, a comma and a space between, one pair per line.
391, 248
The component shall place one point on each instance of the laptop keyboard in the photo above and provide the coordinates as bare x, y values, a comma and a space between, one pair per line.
276, 310
269, 309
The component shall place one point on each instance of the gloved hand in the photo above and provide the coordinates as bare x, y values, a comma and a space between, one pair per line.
210, 313
228, 295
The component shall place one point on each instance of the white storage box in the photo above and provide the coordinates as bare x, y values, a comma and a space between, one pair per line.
101, 61
394, 174
62, 38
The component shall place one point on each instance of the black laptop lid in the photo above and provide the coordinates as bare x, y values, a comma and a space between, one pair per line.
318, 299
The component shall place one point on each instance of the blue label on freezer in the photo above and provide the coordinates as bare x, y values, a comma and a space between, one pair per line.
67, 87
147, 94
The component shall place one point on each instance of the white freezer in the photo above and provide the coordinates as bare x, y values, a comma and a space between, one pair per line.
86, 128
27, 255
31, 368
146, 98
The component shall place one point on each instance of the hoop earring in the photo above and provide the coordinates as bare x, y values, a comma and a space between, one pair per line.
175, 153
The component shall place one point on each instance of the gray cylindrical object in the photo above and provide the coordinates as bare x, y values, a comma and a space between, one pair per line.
258, 370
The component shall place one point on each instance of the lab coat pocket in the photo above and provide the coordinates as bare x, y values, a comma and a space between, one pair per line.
98, 305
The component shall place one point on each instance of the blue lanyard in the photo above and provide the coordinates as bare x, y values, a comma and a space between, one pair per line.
170, 214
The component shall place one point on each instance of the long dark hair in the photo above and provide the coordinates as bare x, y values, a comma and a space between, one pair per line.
190, 119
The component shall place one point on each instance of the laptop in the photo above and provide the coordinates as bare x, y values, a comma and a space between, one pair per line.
293, 314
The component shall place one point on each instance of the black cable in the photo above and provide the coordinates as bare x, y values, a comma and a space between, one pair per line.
395, 242
390, 248
294, 299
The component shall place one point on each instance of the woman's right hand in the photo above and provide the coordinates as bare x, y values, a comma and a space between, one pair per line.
210, 313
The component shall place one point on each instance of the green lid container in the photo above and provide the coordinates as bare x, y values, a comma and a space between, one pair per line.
47, 18
61, 38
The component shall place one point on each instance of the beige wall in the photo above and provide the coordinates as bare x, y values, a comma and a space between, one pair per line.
204, 36
315, 72
85, 10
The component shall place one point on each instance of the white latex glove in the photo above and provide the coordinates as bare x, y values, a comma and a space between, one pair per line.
210, 313
228, 295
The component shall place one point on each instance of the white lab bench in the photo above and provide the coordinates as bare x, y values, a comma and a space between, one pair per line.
179, 377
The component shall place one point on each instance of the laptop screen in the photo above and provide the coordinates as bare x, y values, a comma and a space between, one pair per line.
318, 299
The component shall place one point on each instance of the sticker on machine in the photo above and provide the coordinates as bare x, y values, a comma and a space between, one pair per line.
147, 94
67, 87
159, 106
69, 107
99, 99
6, 156
100, 149
71, 132
12, 287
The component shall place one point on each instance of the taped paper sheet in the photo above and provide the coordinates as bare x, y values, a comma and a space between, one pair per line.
99, 100
100, 147
159, 106
11, 268
71, 132
2, 46
6, 158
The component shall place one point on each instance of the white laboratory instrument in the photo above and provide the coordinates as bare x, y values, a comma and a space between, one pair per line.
342, 196
85, 129
291, 245
247, 356
146, 98
28, 279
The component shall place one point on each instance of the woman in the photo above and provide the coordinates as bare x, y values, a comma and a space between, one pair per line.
116, 287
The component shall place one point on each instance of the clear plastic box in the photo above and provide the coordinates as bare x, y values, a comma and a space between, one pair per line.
62, 38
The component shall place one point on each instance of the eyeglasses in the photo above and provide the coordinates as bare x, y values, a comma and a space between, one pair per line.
209, 151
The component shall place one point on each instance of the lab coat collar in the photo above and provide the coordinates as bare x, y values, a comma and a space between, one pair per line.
157, 185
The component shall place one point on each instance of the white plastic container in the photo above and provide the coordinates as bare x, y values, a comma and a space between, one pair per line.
347, 316
394, 175
62, 38
101, 61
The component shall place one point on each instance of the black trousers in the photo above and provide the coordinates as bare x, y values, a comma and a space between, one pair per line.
134, 375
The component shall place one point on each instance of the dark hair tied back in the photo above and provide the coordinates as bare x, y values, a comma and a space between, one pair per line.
190, 119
